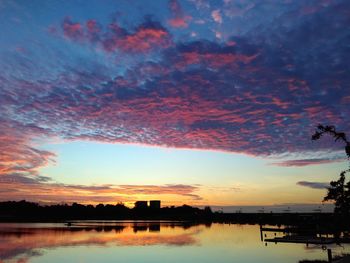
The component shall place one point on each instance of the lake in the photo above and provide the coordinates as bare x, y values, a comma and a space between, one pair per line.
136, 241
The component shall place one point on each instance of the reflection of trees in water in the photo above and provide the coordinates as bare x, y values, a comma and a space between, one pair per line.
24, 242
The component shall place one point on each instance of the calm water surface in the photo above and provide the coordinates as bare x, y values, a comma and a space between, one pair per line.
146, 242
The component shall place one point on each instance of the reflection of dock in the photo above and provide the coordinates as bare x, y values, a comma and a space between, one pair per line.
297, 235
303, 235
302, 240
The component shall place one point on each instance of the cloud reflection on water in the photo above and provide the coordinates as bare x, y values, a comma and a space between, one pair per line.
21, 243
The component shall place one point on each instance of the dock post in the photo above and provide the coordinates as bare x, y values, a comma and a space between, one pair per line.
329, 252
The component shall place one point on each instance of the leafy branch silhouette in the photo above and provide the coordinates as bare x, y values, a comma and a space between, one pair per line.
339, 191
331, 131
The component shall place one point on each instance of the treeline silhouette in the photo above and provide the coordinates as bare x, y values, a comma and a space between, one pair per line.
23, 211
29, 211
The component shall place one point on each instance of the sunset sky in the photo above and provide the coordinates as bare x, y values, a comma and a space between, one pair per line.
197, 102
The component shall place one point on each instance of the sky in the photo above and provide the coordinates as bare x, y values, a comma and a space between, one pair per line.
197, 102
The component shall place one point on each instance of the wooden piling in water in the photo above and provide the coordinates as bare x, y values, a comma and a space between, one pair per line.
329, 253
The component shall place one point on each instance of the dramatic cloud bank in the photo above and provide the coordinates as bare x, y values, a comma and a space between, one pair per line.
168, 80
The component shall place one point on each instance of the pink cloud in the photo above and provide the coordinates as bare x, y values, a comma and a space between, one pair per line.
305, 162
213, 60
179, 19
93, 30
17, 153
72, 30
216, 15
43, 189
143, 40
146, 37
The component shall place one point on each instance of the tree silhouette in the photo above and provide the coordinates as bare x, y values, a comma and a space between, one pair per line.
339, 190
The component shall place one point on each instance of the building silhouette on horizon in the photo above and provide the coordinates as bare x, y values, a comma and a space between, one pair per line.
153, 204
